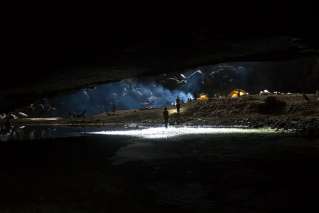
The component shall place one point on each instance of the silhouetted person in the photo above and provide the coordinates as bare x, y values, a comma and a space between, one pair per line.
113, 108
165, 115
195, 95
178, 104
82, 114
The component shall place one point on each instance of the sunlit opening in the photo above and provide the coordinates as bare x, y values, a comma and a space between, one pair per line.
162, 132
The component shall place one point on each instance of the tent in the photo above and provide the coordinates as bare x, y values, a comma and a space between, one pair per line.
237, 93
202, 98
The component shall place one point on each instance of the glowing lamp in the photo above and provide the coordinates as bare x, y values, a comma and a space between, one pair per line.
202, 98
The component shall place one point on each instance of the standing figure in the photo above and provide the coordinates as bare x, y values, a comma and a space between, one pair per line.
178, 104
113, 107
165, 115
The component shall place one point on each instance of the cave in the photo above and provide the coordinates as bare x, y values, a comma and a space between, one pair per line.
167, 109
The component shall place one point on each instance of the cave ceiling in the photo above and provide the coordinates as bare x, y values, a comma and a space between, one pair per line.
46, 54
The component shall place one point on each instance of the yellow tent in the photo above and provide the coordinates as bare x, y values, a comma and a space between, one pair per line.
202, 98
237, 93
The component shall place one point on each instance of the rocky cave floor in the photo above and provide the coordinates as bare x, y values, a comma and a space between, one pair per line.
222, 173
282, 112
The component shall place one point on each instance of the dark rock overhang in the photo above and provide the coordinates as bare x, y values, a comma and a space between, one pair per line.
46, 58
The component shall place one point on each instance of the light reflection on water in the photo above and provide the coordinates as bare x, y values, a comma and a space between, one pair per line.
143, 132
22, 133
162, 132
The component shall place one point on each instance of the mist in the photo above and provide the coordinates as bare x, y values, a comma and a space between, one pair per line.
125, 94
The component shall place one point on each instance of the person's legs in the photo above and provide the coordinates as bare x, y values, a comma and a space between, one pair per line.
166, 123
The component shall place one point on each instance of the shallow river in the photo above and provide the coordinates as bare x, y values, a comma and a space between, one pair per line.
21, 133
180, 169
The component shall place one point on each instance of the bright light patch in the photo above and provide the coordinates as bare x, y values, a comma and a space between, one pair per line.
44, 119
202, 98
174, 110
238, 93
162, 132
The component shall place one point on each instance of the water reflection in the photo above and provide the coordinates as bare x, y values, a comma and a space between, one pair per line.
18, 133
162, 132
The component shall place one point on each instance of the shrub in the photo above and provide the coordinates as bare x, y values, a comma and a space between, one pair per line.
272, 105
